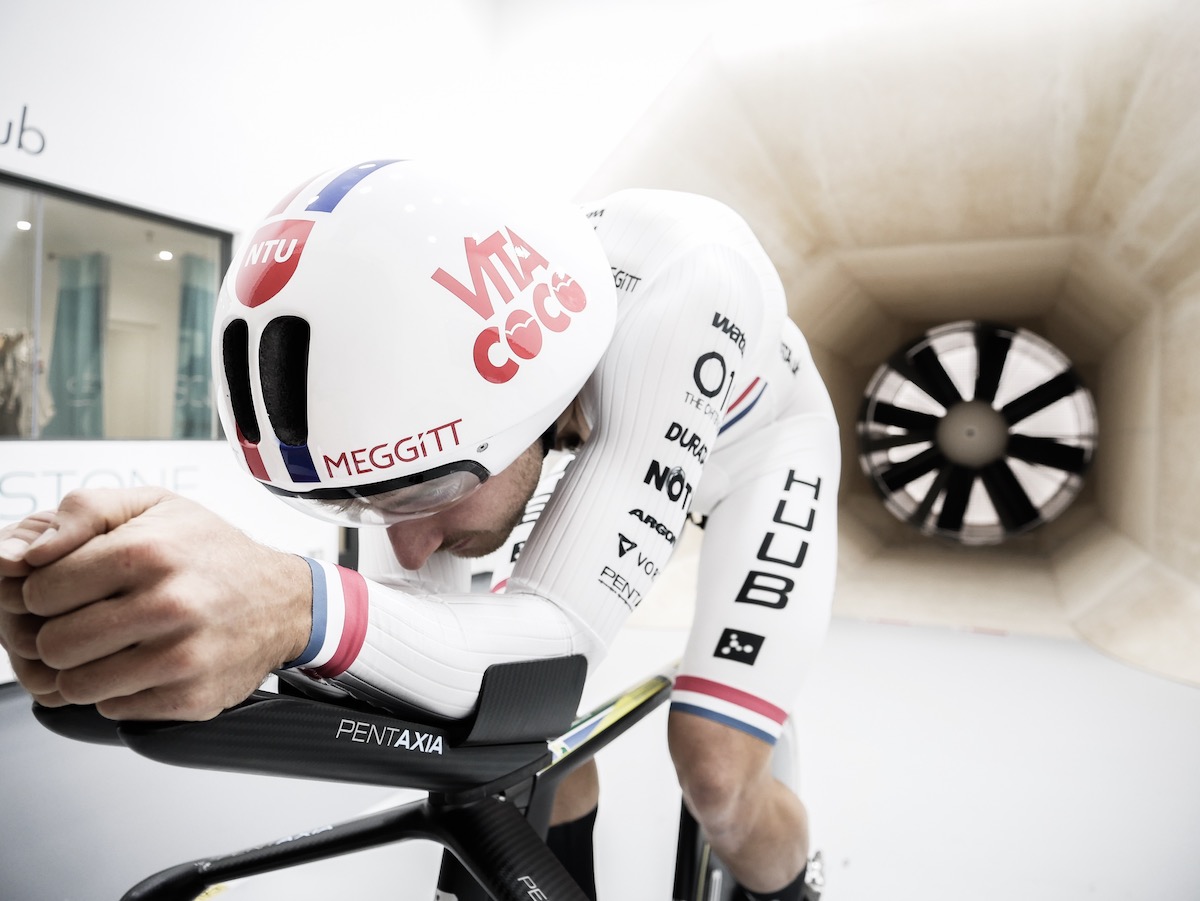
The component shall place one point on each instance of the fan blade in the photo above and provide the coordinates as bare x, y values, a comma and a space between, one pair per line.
1048, 452
889, 414
919, 515
1062, 385
958, 492
1012, 504
992, 346
925, 370
883, 442
899, 475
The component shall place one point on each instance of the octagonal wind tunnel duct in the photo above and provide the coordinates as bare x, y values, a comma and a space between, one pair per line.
1037, 164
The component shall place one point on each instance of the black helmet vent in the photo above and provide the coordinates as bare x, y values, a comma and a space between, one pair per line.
235, 353
283, 370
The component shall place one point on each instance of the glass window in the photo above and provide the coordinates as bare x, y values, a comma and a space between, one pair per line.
18, 253
112, 310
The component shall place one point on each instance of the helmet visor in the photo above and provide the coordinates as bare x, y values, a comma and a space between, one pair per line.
394, 501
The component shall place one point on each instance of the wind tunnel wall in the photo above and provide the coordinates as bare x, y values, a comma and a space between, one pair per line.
908, 165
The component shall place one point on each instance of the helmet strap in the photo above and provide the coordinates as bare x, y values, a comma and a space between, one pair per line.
548, 438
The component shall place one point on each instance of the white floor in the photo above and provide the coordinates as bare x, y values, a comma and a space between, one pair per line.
938, 765
954, 766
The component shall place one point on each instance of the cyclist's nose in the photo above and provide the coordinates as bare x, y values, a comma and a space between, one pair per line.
415, 540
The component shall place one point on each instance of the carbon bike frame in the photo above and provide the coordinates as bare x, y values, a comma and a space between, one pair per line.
489, 778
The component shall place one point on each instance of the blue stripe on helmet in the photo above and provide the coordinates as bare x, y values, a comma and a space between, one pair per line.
331, 195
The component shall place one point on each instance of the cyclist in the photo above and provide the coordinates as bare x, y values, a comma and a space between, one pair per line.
398, 352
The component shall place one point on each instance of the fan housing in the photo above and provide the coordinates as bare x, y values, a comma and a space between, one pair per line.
977, 432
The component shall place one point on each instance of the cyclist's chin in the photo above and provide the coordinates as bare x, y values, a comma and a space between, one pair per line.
478, 544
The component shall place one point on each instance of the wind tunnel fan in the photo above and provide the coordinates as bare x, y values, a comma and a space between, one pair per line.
977, 432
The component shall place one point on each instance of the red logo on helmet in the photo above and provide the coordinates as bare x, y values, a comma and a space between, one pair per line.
517, 333
270, 260
524, 336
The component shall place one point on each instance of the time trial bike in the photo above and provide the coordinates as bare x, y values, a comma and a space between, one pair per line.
488, 779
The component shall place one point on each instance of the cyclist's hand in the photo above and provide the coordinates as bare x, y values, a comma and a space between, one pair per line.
15, 540
18, 627
152, 607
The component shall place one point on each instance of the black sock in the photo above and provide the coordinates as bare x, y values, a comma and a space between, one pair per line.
571, 843
791, 892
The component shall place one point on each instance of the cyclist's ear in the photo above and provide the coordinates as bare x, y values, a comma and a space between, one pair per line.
572, 429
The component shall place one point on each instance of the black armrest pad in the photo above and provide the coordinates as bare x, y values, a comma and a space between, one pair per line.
527, 700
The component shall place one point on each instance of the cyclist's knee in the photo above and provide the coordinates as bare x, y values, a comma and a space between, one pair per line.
721, 771
715, 798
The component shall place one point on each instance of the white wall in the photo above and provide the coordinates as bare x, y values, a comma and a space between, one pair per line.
212, 111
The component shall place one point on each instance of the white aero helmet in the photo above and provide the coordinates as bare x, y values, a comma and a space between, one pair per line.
390, 336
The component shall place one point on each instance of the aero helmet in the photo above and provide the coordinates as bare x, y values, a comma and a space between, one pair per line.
390, 336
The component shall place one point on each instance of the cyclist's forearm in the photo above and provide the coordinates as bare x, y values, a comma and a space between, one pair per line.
401, 641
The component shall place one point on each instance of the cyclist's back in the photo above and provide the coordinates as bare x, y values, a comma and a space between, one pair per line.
703, 399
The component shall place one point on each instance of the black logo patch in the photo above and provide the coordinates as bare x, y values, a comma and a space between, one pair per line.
739, 645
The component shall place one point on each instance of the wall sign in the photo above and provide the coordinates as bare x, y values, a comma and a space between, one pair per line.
36, 474
20, 134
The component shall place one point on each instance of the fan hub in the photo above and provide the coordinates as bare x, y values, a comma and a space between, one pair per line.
972, 434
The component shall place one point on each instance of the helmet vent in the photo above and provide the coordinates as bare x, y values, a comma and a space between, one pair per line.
283, 366
236, 356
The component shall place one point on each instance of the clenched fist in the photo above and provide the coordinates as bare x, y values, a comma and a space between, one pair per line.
147, 605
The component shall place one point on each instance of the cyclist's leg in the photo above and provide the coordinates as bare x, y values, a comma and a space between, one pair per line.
572, 823
764, 595
577, 795
755, 824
